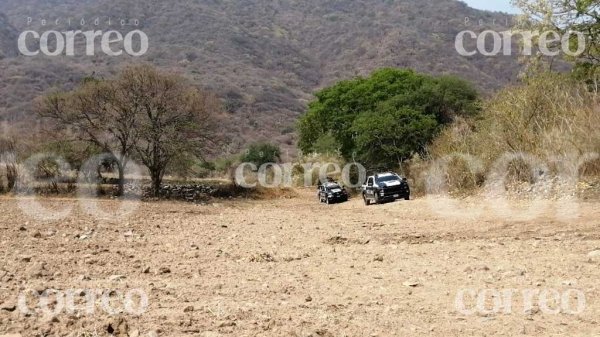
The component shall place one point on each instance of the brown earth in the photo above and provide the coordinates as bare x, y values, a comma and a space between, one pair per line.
293, 267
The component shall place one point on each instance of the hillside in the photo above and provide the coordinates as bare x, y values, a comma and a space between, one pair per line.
264, 58
8, 38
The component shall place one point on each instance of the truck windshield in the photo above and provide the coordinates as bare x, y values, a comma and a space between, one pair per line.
387, 178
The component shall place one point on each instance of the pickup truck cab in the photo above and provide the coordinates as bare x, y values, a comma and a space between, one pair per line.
385, 187
332, 192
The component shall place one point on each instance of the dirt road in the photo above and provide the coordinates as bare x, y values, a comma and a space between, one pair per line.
298, 268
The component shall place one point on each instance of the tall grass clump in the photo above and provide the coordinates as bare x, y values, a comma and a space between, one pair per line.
551, 120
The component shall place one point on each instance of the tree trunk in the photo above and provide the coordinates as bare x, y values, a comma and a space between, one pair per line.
156, 181
11, 176
121, 187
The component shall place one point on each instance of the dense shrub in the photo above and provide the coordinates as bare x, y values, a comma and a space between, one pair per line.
386, 118
262, 153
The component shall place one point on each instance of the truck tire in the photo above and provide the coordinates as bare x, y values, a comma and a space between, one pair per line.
367, 201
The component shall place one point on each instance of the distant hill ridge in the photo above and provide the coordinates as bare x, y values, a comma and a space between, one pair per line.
264, 58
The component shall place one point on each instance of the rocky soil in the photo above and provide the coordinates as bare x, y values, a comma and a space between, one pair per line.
293, 267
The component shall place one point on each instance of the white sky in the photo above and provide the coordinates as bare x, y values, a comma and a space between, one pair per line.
492, 5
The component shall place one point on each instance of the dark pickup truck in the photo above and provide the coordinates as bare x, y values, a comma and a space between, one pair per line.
332, 192
385, 187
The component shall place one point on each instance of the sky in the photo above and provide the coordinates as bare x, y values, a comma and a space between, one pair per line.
493, 5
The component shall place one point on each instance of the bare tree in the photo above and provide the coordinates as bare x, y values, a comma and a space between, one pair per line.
173, 118
94, 113
152, 115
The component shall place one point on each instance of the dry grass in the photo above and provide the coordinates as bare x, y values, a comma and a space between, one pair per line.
551, 119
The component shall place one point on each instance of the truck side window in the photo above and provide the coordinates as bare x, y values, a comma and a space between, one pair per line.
370, 182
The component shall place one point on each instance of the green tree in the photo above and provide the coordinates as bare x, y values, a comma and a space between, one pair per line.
262, 153
397, 101
388, 136
326, 144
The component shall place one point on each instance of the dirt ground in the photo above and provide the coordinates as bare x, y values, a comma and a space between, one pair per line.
294, 267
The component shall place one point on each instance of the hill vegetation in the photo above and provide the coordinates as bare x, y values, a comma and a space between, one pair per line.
8, 38
539, 132
264, 59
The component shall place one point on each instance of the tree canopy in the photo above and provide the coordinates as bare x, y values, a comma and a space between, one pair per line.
385, 118
152, 116
563, 17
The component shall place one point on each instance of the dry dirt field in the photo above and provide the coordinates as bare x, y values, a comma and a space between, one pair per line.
293, 267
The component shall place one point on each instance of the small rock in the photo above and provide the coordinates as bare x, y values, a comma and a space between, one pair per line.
36, 234
227, 324
146, 270
37, 270
532, 311
378, 258
411, 284
84, 278
308, 299
118, 327
164, 270
189, 309
594, 254
134, 333
115, 278
10, 307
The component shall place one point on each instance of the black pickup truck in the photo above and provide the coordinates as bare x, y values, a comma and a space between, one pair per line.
332, 192
385, 187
